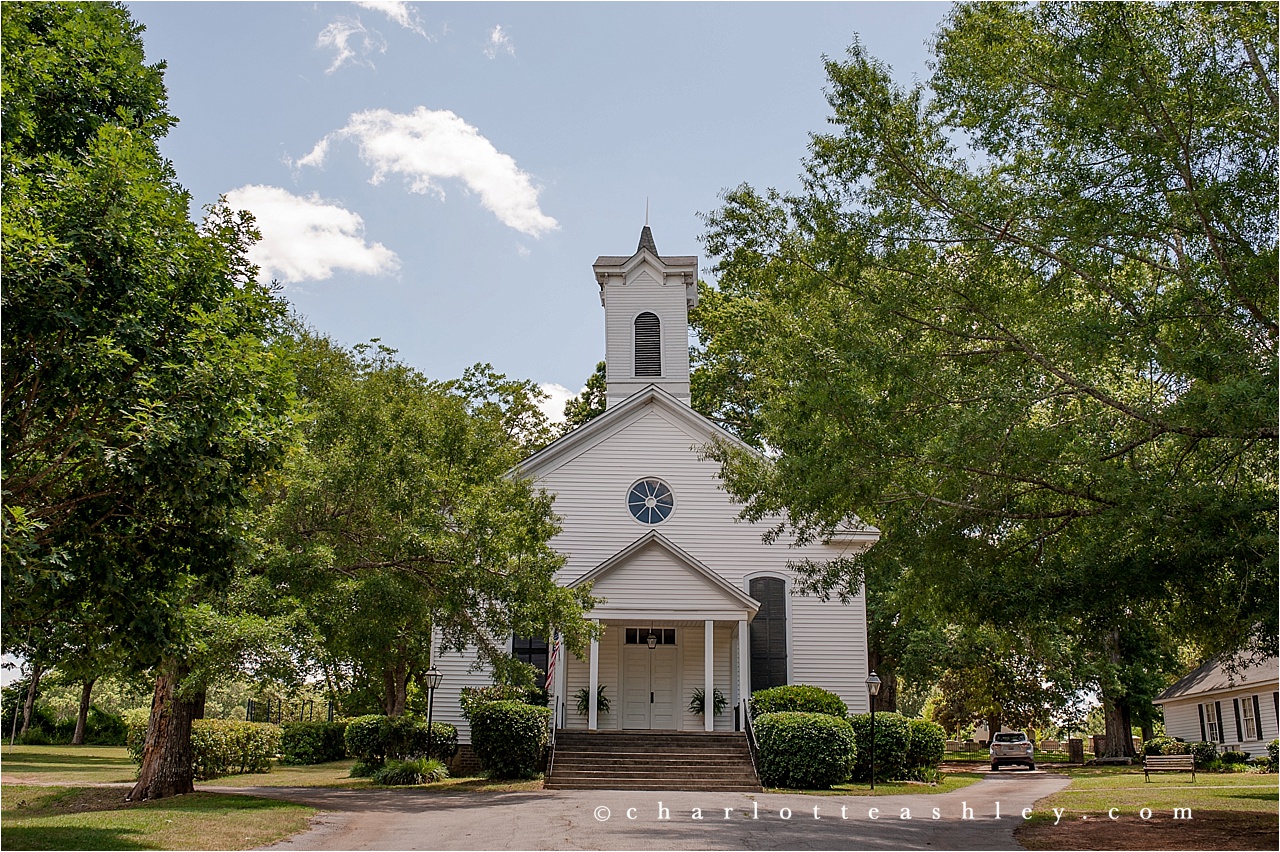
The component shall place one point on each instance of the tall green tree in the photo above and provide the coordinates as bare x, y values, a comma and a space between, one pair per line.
589, 404
397, 523
141, 391
1023, 318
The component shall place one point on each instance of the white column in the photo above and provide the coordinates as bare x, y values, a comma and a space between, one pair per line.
709, 664
592, 713
744, 662
562, 683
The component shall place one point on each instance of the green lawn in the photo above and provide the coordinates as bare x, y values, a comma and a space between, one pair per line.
99, 818
1094, 790
67, 764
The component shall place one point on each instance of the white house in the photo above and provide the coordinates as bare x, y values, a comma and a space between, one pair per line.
1237, 710
691, 597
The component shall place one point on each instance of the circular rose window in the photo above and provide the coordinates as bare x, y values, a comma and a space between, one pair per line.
651, 501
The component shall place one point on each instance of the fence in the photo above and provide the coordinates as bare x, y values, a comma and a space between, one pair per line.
279, 710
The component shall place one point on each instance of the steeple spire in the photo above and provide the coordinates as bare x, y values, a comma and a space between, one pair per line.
646, 239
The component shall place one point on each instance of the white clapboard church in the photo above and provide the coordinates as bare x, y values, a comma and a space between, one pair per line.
691, 597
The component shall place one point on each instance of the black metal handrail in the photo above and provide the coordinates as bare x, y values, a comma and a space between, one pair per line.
753, 748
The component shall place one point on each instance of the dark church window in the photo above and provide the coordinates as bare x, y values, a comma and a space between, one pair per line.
769, 634
532, 651
648, 345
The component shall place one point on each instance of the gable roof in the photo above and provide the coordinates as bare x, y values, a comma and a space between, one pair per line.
653, 538
615, 418
1214, 677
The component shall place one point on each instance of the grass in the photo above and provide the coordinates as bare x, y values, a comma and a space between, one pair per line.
67, 764
99, 818
1094, 790
949, 782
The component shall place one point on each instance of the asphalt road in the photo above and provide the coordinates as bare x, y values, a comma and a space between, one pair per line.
613, 819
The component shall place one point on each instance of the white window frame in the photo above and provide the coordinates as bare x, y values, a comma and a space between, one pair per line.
1248, 725
1211, 732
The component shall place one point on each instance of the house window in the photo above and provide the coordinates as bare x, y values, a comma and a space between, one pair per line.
651, 501
640, 635
1209, 716
648, 345
769, 634
1247, 719
532, 651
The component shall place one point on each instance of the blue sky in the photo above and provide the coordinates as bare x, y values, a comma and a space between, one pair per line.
442, 175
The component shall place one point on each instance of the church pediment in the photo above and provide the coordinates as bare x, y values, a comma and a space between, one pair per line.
654, 574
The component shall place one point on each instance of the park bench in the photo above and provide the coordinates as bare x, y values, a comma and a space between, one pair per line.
1169, 763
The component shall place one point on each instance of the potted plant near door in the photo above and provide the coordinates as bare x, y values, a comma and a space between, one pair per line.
583, 696
698, 704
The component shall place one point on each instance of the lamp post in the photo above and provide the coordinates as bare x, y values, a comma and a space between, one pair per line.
873, 689
434, 676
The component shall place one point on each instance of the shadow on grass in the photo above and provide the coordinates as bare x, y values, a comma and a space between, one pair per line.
50, 837
20, 760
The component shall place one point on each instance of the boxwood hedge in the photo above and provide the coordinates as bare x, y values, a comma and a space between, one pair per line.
893, 738
374, 740
218, 746
303, 743
509, 738
804, 750
797, 698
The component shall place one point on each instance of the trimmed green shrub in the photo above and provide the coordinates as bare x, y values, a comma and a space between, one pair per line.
373, 740
926, 744
305, 743
474, 696
1233, 757
509, 738
1204, 753
805, 751
418, 771
797, 698
103, 728
892, 740
218, 746
1273, 752
1163, 745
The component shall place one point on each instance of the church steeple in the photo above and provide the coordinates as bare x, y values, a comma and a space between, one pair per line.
646, 300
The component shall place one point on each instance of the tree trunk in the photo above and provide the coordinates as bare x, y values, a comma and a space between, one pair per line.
166, 757
395, 683
82, 718
29, 707
1148, 730
994, 724
1118, 736
198, 702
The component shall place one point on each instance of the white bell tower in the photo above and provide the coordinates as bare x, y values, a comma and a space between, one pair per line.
646, 300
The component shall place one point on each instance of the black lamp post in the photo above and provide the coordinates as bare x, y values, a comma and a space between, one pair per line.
873, 689
434, 676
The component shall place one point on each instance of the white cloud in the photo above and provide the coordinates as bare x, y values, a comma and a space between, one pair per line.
427, 146
308, 238
347, 36
498, 43
398, 11
557, 396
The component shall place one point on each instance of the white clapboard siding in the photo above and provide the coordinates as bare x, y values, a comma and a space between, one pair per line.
654, 578
1182, 718
644, 291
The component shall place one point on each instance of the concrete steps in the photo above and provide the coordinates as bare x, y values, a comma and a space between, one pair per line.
662, 760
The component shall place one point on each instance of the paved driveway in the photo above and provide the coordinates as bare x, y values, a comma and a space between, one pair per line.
613, 819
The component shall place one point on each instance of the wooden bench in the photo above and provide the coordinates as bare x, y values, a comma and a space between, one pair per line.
1169, 763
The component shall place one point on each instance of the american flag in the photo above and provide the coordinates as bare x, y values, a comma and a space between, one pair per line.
551, 663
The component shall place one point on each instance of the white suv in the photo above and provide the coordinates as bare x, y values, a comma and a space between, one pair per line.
1012, 749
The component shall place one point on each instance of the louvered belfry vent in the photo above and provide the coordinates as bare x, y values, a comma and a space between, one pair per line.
648, 345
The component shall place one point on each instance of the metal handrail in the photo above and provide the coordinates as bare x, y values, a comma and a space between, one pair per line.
753, 748
551, 747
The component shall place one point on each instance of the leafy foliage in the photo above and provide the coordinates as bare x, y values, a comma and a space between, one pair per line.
1205, 753
396, 521
143, 393
798, 698
804, 750
405, 772
510, 738
1023, 318
306, 743
476, 696
1164, 745
892, 746
698, 702
373, 740
926, 744
582, 700
589, 404
218, 746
